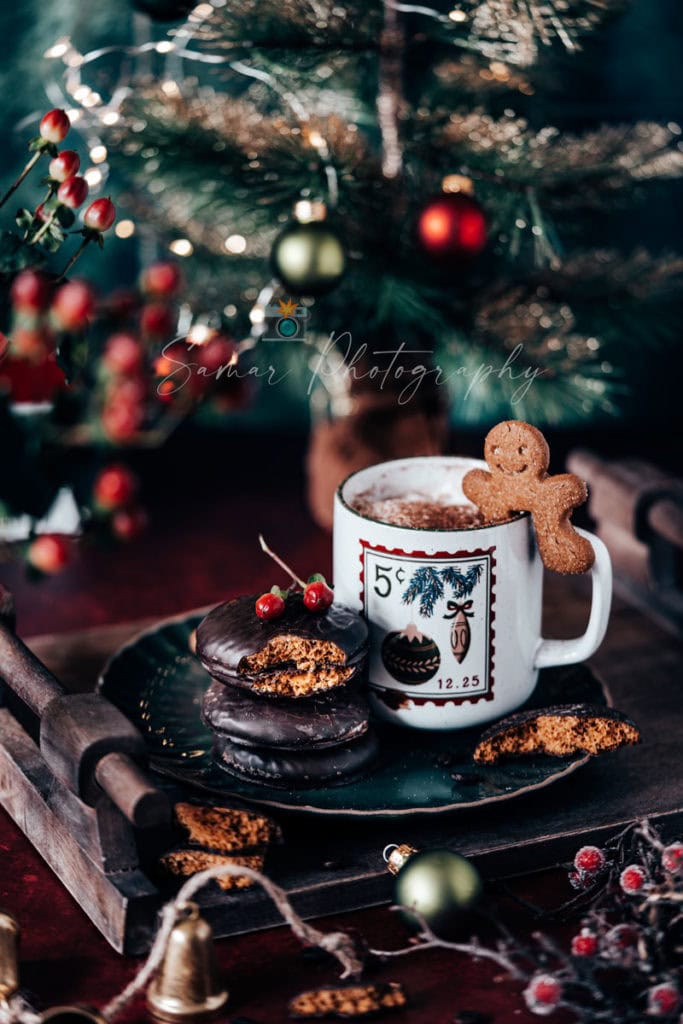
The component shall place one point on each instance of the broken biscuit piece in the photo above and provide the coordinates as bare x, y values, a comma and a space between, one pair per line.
348, 1001
558, 731
185, 863
224, 828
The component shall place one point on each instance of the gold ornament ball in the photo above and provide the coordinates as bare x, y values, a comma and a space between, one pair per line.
309, 259
443, 887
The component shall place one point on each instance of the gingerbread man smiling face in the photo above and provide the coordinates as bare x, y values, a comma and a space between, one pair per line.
517, 481
515, 449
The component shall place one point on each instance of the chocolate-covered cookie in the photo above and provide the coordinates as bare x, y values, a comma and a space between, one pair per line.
293, 769
559, 731
296, 655
323, 721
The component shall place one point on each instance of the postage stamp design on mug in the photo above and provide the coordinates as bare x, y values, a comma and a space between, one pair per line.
444, 653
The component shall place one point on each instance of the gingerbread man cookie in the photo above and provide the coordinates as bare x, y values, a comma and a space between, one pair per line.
518, 457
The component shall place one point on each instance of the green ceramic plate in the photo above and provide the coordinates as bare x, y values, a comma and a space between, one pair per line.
159, 684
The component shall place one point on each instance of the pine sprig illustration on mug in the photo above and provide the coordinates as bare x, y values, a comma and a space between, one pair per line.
427, 583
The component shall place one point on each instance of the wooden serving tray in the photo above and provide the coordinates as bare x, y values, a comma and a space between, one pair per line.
329, 866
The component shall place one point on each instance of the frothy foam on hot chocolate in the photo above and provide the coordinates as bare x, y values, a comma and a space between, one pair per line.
418, 511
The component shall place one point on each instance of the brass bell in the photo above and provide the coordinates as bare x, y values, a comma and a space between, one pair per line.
9, 955
186, 984
71, 1015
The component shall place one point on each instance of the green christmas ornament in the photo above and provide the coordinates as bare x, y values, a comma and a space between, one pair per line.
309, 259
443, 887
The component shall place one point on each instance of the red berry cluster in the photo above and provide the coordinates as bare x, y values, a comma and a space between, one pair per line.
317, 596
49, 553
114, 493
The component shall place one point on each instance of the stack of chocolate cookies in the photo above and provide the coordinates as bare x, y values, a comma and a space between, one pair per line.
285, 704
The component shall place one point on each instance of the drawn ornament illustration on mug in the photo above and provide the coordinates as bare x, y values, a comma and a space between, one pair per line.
446, 647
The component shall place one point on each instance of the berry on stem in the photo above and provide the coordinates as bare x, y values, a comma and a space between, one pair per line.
122, 354
543, 994
663, 1000
317, 595
156, 320
672, 858
269, 606
54, 126
129, 523
30, 292
589, 860
585, 943
73, 304
73, 192
49, 553
64, 165
100, 215
161, 279
114, 487
633, 879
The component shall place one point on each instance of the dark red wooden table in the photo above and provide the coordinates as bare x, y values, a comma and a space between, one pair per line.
207, 508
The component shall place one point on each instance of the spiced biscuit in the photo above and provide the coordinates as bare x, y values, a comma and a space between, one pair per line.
299, 654
297, 769
322, 721
223, 828
517, 481
559, 731
185, 863
354, 1000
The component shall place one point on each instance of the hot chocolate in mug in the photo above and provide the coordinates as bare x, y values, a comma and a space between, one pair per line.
454, 614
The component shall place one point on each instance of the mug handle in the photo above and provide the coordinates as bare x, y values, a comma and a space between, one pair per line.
568, 652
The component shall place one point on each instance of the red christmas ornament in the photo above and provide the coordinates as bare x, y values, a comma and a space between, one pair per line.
453, 226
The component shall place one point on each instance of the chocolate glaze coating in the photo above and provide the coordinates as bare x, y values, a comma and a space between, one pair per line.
586, 711
233, 631
334, 766
314, 723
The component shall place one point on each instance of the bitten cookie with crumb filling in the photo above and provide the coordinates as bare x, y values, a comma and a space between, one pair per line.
297, 655
348, 1001
558, 731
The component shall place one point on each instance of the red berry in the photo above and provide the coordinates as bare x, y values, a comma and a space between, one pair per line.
318, 596
121, 421
100, 215
64, 165
49, 553
543, 994
632, 879
269, 606
663, 1000
620, 938
156, 320
128, 391
122, 354
672, 858
114, 487
129, 523
54, 126
216, 355
30, 292
585, 943
161, 279
73, 192
73, 304
589, 859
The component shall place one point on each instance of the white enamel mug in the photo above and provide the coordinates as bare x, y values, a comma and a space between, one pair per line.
454, 615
